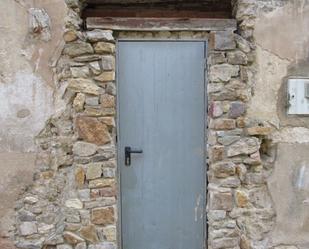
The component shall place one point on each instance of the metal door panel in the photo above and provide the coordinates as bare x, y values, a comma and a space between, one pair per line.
161, 98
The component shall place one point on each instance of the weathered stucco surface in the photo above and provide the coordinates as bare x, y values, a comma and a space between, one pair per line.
289, 186
282, 41
26, 93
241, 209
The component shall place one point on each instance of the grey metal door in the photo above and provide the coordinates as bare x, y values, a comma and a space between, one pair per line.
161, 100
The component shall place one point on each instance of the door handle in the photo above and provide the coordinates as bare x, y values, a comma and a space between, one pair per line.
128, 151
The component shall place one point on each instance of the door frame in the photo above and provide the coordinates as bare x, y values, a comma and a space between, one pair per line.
118, 175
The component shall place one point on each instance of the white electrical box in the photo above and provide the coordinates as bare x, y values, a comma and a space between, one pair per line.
298, 96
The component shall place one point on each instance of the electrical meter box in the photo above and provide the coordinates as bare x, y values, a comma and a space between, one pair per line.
298, 96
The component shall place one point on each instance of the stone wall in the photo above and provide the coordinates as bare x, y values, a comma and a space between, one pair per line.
240, 210
31, 35
72, 202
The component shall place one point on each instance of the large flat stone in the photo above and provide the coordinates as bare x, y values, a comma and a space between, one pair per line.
84, 86
74, 49
103, 216
94, 171
100, 35
84, 149
72, 238
92, 130
223, 72
224, 40
89, 233
101, 183
104, 47
244, 146
28, 228
221, 201
74, 203
223, 169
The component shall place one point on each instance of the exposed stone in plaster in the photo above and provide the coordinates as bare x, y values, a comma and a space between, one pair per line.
39, 24
26, 91
239, 206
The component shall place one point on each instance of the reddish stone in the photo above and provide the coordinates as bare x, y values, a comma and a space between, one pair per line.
236, 109
107, 101
103, 216
103, 192
216, 153
92, 130
215, 109
223, 124
241, 122
221, 201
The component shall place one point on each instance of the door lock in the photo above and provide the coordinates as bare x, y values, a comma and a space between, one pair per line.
128, 151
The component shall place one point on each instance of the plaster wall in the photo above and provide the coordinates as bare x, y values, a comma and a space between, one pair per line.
26, 93
27, 100
283, 50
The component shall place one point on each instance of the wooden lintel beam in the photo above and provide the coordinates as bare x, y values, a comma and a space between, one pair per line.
208, 2
161, 24
179, 5
154, 13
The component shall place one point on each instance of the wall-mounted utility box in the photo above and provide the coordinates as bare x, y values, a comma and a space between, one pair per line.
298, 96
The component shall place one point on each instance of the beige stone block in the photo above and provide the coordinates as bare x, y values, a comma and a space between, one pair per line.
106, 76
94, 171
241, 198
103, 216
223, 169
77, 48
244, 146
104, 47
70, 35
74, 203
222, 124
110, 233
84, 86
221, 201
259, 131
72, 238
80, 177
101, 183
89, 233
79, 102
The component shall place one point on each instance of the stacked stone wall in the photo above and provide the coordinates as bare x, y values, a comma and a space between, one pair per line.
73, 200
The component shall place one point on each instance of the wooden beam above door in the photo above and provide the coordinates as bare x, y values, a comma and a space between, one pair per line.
158, 8
161, 24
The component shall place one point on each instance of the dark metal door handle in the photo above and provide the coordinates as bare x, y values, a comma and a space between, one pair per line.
128, 151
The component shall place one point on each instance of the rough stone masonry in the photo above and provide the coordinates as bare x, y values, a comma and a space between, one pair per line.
72, 202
